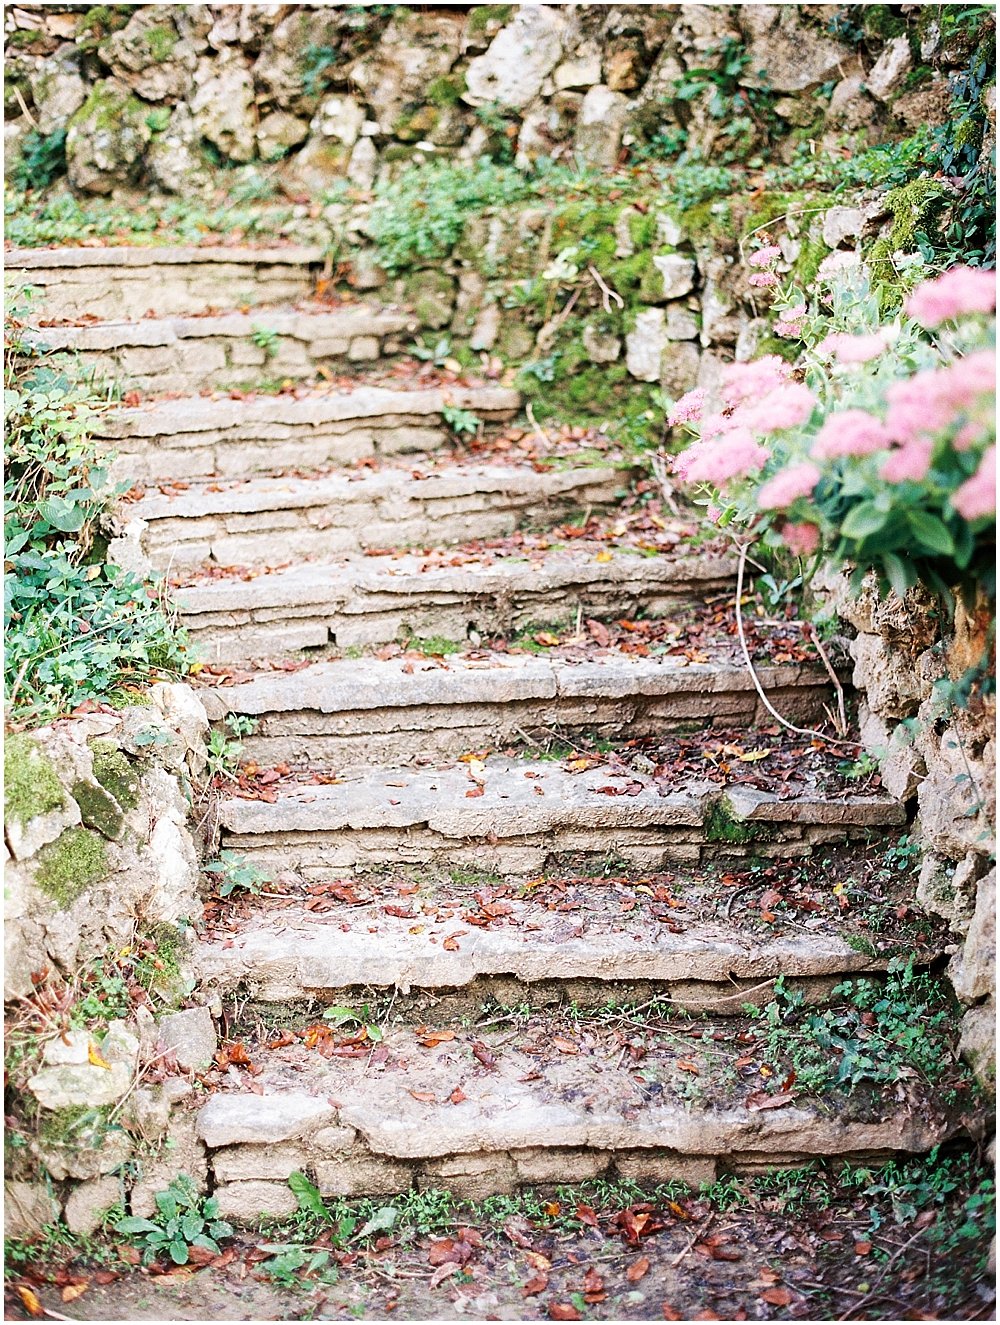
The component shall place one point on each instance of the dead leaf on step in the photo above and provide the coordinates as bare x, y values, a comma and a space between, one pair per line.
425, 1096
760, 1100
31, 1302
433, 1038
537, 1261
566, 1310
669, 1313
442, 1273
636, 1271
534, 1286
517, 1229
685, 1066
778, 1297
476, 791
94, 1056
458, 1095
451, 943
484, 1055
546, 639
592, 1281
564, 1046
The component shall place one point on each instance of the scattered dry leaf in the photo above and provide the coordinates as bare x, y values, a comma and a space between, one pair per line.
637, 1269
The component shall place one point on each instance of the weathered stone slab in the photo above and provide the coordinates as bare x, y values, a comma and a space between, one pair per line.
228, 1120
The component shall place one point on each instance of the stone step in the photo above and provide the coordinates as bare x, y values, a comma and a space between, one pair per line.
270, 521
347, 711
689, 939
129, 282
528, 812
193, 436
373, 600
483, 1112
245, 350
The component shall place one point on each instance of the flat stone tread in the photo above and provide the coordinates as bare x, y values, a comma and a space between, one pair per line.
135, 256
319, 582
210, 497
540, 1094
307, 953
353, 320
193, 414
350, 684
511, 805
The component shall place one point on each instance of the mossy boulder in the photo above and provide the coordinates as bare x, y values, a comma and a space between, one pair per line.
99, 810
432, 296
115, 772
68, 866
107, 138
31, 786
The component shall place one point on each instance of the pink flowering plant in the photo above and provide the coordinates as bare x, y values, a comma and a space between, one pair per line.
879, 447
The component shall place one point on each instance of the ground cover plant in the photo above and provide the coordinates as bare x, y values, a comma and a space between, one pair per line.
78, 627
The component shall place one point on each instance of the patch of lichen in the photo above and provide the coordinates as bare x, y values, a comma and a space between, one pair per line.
482, 15
115, 772
31, 786
68, 866
161, 42
446, 90
109, 110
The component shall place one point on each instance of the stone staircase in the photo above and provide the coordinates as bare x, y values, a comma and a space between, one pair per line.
504, 910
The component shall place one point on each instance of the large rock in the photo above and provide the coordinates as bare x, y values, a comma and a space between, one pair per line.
786, 53
278, 132
415, 50
601, 346
972, 970
362, 167
901, 764
248, 1202
58, 89
27, 1208
150, 56
223, 104
676, 272
599, 127
432, 295
645, 345
512, 71
841, 223
290, 52
190, 1035
106, 138
977, 1043
890, 69
581, 70
89, 1203
851, 107
887, 675
174, 157
930, 105
679, 367
76, 1080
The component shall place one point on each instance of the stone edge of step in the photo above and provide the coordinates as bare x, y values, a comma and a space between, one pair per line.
135, 256
193, 414
358, 685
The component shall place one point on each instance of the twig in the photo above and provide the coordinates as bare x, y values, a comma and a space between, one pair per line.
34, 124
699, 1232
537, 426
808, 627
607, 293
658, 465
885, 1270
802, 731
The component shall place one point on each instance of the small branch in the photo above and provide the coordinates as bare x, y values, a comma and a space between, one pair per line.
801, 731
841, 710
658, 464
607, 294
34, 124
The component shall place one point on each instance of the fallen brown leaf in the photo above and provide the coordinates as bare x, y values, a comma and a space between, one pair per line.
537, 1261
778, 1297
564, 1046
535, 1286
563, 1311
761, 1100
636, 1271
31, 1302
669, 1313
442, 1273
425, 1096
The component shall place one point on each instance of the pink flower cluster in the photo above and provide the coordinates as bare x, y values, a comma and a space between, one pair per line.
763, 279
733, 455
743, 381
929, 401
977, 496
960, 290
688, 409
850, 432
802, 540
790, 322
765, 256
788, 485
911, 461
785, 407
839, 260
853, 349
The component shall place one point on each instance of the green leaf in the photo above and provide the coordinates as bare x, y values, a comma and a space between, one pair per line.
381, 1222
211, 1208
902, 574
220, 1229
191, 1226
374, 1034
340, 1015
931, 532
178, 1252
66, 516
133, 1224
307, 1195
863, 520
203, 1240
166, 1204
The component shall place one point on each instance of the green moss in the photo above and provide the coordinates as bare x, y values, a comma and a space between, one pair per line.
161, 42
109, 110
915, 208
114, 772
25, 37
483, 15
30, 783
63, 1126
446, 91
880, 21
811, 254
70, 864
721, 826
99, 810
